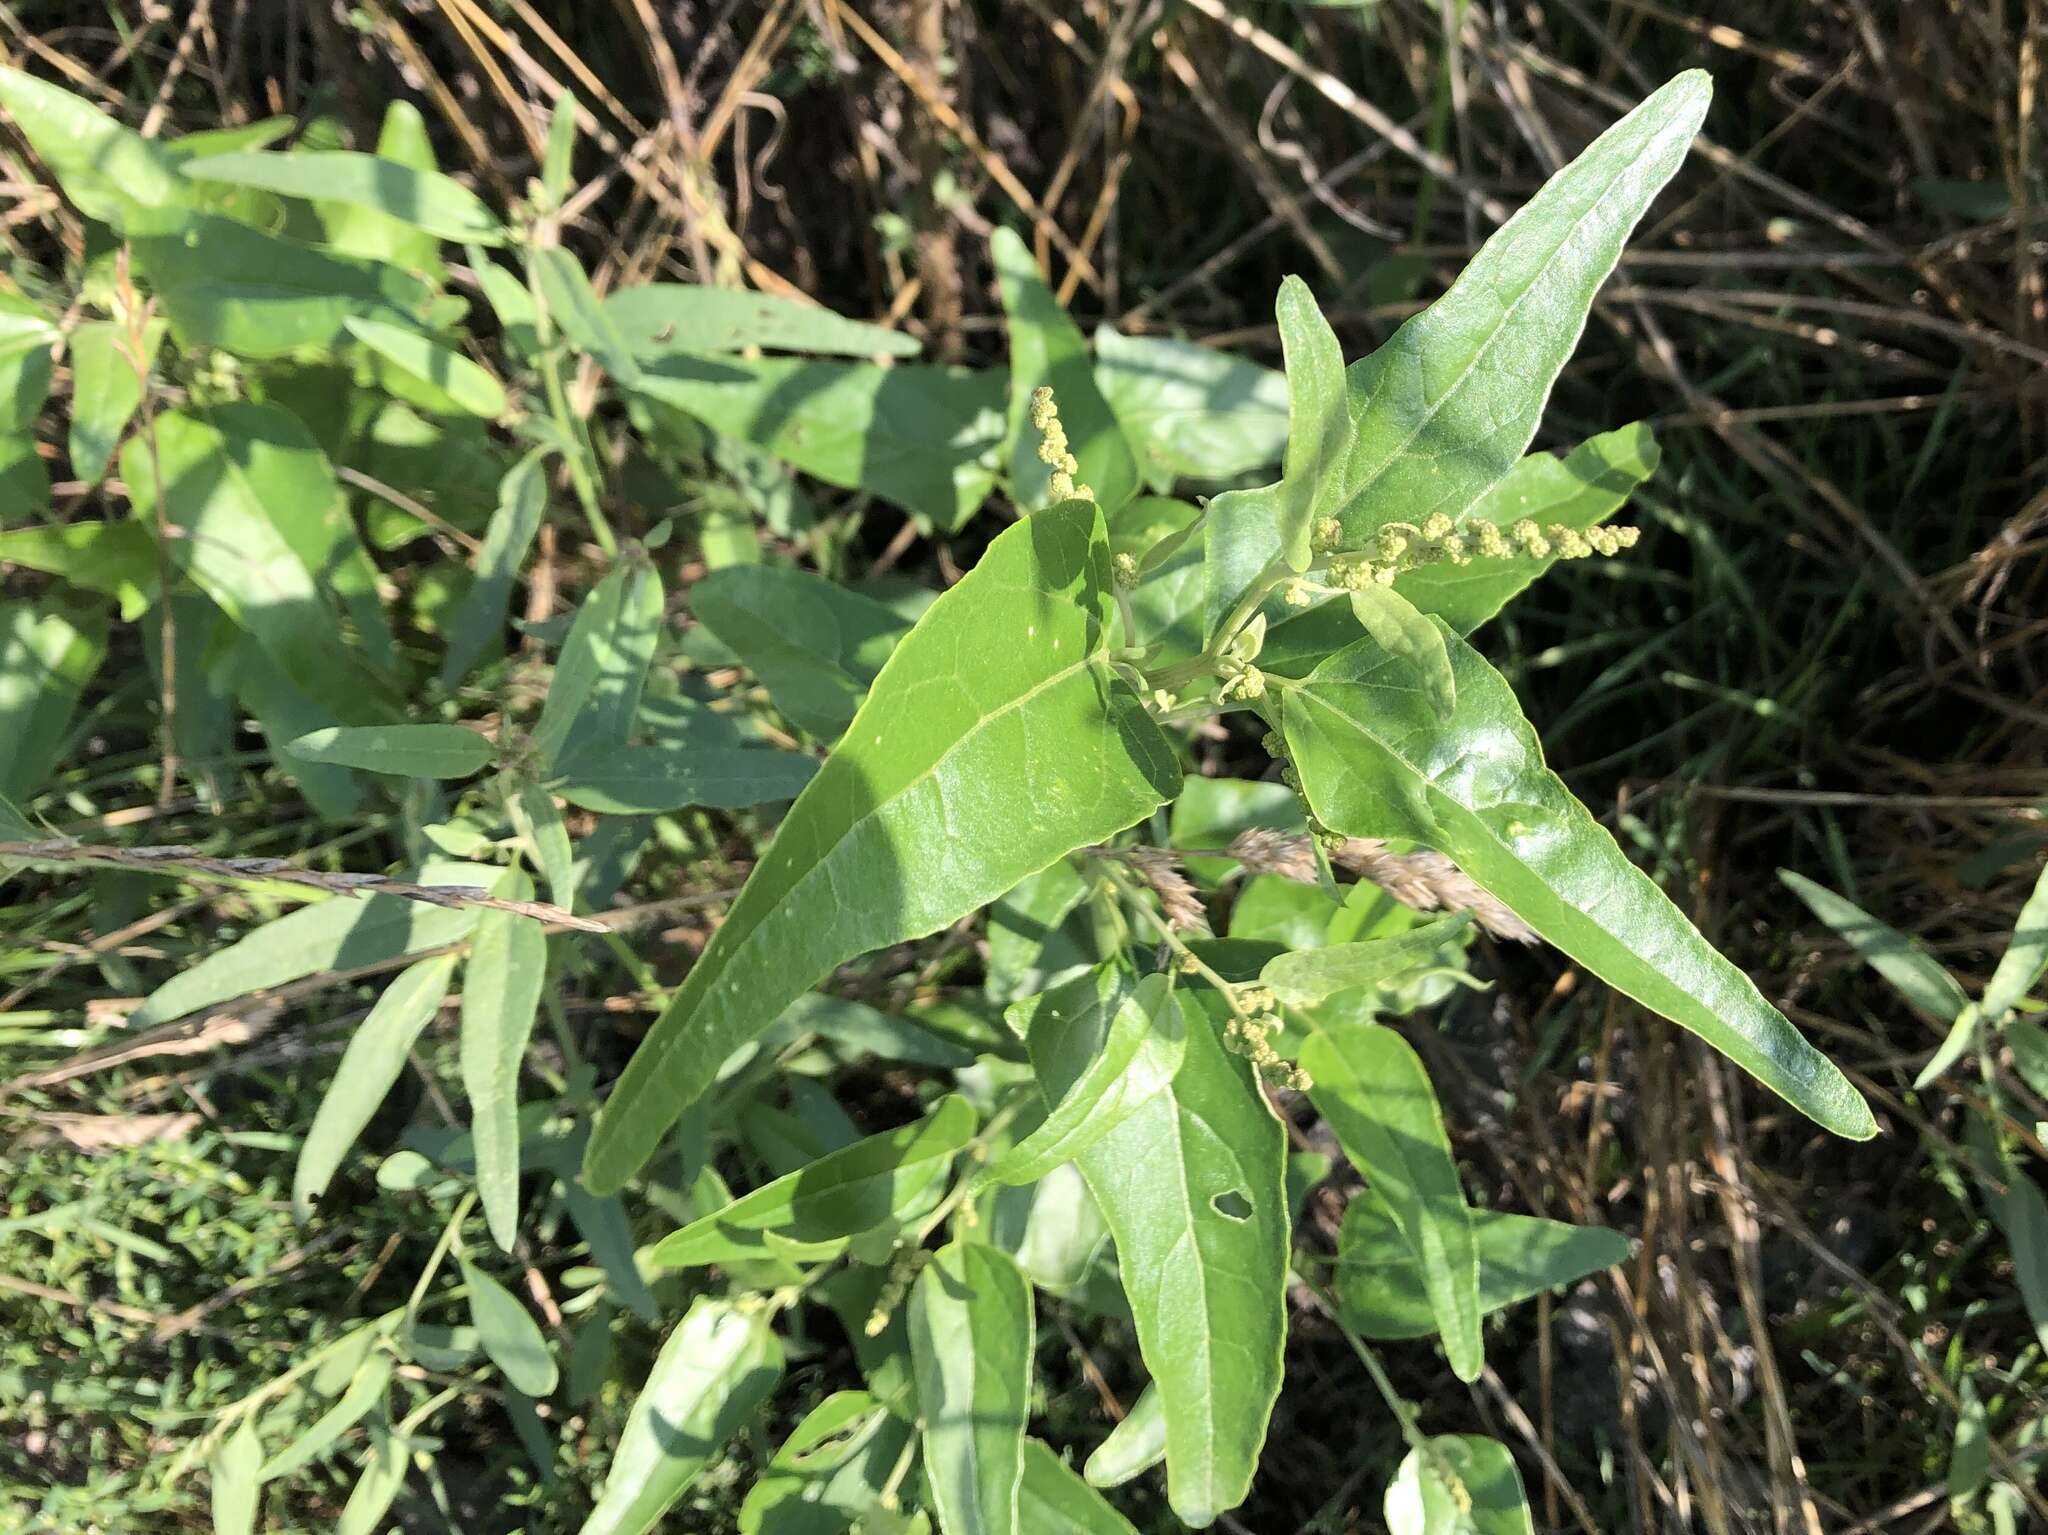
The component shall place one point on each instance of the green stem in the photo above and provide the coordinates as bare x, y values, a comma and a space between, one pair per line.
1399, 1406
558, 406
1173, 678
449, 1234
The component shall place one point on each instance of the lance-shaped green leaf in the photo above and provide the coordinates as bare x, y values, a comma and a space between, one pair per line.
500, 994
1460, 1484
2025, 958
582, 661
971, 1326
466, 386
814, 645
995, 740
658, 319
1375, 762
478, 628
1048, 350
1403, 633
840, 1195
365, 1393
832, 1470
369, 1067
378, 1481
403, 751
110, 171
236, 1468
610, 712
1193, 1186
1447, 406
117, 558
538, 820
1380, 1288
508, 1333
1104, 1047
1914, 973
225, 284
921, 438
1371, 1087
1318, 418
335, 934
1306, 977
716, 1367
1135, 1445
1054, 1500
636, 780
575, 307
106, 387
424, 199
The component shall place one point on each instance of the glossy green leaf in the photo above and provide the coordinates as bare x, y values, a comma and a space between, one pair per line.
658, 319
813, 644
1191, 411
111, 172
336, 934
1306, 977
365, 1393
369, 1068
378, 1482
1054, 1500
501, 988
1371, 1087
1446, 408
1030, 932
424, 199
1914, 973
259, 295
2025, 959
509, 1335
921, 438
1581, 490
635, 780
2028, 1042
718, 1365
402, 751
466, 386
1318, 420
236, 1468
479, 627
831, 1471
1055, 1231
971, 1326
1134, 1446
1379, 1285
574, 306
1103, 1047
359, 229
1048, 349
1403, 633
538, 820
106, 387
583, 660
1005, 680
1193, 1188
1375, 762
1462, 1484
841, 1194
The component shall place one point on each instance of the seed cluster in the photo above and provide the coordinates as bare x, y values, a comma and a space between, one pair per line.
1052, 447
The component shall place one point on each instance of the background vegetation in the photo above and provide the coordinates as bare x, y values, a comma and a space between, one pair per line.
1826, 655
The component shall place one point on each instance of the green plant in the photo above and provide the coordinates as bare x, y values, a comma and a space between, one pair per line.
279, 325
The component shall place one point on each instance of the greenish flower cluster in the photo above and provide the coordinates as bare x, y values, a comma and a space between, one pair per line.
1052, 447
1403, 546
